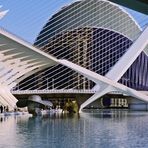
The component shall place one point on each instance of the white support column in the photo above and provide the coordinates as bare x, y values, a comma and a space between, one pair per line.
102, 91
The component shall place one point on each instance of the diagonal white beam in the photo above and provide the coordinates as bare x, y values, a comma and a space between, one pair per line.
15, 64
121, 66
128, 58
106, 82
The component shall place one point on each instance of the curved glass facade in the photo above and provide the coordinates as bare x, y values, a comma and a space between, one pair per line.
86, 13
137, 75
93, 34
88, 48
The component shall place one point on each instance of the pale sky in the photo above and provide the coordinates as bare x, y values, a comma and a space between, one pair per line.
27, 17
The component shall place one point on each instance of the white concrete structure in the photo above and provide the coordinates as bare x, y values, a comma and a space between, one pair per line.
109, 84
19, 60
92, 34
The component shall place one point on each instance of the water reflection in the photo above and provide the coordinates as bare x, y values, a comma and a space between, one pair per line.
113, 113
1, 119
99, 129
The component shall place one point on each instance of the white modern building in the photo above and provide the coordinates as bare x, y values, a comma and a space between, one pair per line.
93, 34
87, 45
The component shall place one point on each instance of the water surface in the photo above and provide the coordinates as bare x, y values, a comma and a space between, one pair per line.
99, 129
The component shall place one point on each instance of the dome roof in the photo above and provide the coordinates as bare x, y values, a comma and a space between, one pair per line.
94, 13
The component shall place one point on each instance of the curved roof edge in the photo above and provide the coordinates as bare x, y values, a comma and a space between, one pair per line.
139, 5
139, 29
121, 7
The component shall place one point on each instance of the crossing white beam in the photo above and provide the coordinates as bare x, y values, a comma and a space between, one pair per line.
109, 83
106, 84
117, 71
120, 68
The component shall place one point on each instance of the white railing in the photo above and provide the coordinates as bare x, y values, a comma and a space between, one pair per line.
53, 91
60, 91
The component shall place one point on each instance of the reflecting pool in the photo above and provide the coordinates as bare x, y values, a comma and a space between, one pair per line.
91, 129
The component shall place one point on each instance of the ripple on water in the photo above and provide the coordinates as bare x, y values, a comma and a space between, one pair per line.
98, 129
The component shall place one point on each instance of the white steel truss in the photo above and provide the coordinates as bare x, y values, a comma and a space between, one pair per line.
91, 33
69, 35
20, 62
109, 83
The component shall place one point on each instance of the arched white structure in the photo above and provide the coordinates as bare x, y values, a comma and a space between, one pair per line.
109, 83
17, 61
19, 58
71, 34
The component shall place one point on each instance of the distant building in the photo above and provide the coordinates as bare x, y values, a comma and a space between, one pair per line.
93, 34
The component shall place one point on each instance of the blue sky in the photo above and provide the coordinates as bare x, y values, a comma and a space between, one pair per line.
26, 17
